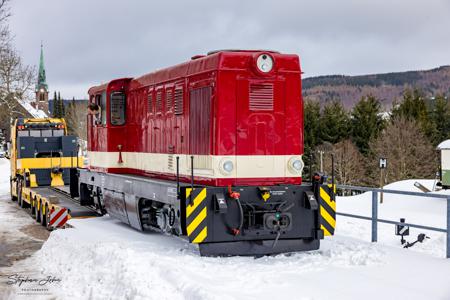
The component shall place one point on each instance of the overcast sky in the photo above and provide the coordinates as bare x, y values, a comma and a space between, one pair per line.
87, 42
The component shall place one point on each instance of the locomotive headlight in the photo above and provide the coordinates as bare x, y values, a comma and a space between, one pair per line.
226, 166
264, 63
295, 165
298, 165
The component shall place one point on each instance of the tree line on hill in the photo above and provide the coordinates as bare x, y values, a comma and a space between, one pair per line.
407, 137
74, 114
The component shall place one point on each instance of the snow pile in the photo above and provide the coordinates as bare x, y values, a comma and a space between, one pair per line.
103, 259
417, 210
4, 178
109, 260
36, 113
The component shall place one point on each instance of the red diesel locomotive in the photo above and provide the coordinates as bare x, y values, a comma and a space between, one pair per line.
210, 149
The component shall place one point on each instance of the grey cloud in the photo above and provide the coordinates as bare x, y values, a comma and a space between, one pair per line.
88, 42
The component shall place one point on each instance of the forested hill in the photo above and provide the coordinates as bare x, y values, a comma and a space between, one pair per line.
386, 87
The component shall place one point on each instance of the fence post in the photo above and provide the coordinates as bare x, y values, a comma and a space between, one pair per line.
375, 216
448, 228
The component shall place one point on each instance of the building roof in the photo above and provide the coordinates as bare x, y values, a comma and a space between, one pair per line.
444, 145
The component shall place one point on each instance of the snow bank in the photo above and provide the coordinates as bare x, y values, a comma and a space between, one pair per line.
103, 259
415, 209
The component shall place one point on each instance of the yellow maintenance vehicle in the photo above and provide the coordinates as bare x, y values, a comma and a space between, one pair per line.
42, 157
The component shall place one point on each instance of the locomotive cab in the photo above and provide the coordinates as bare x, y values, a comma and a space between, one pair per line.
106, 130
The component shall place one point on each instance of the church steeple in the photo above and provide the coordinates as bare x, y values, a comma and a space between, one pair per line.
42, 81
41, 85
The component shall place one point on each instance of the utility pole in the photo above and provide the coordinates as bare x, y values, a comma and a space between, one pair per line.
321, 160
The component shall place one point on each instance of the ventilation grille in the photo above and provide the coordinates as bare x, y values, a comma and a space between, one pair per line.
150, 102
159, 101
179, 101
202, 162
168, 100
261, 96
170, 162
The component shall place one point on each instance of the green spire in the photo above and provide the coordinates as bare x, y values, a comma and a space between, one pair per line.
41, 77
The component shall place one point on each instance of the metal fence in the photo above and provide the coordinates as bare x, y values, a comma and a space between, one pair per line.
375, 218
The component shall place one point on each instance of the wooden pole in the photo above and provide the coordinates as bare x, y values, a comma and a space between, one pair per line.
381, 183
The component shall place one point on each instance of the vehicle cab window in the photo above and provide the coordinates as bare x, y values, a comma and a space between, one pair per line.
100, 118
103, 108
118, 104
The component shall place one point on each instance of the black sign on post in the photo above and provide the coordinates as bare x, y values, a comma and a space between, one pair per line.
383, 163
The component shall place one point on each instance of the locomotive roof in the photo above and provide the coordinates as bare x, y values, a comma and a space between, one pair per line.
199, 63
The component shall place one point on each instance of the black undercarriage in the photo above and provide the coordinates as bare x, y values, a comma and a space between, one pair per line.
223, 221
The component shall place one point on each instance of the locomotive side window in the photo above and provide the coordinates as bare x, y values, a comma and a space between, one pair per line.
103, 108
118, 103
96, 119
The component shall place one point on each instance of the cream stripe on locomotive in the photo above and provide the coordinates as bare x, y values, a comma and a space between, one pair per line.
210, 166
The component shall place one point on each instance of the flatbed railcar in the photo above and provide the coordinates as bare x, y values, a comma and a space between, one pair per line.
210, 149
42, 156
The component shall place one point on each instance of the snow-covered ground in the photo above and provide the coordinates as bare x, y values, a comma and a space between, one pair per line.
416, 210
101, 258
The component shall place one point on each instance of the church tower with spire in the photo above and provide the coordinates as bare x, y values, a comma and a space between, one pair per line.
41, 86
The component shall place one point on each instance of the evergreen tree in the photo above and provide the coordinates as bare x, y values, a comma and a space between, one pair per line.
55, 105
311, 134
311, 124
413, 108
62, 108
334, 123
440, 118
366, 122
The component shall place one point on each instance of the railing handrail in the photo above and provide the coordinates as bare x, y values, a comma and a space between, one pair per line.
392, 222
389, 191
375, 218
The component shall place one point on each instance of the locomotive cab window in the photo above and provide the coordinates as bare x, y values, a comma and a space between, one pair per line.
100, 118
118, 108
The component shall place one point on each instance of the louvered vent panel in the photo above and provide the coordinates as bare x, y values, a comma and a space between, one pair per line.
261, 96
159, 101
179, 101
150, 102
168, 100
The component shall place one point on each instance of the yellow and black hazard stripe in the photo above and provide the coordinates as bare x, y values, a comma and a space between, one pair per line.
196, 215
327, 210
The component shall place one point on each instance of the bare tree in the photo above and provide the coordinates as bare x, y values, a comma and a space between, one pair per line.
348, 162
16, 78
76, 119
408, 151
